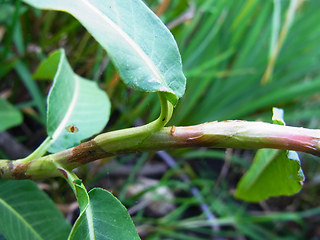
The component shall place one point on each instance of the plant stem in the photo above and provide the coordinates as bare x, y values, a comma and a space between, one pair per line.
39, 152
153, 137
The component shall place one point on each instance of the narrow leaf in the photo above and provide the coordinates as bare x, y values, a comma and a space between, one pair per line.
47, 68
82, 196
9, 115
272, 173
104, 218
142, 48
77, 108
34, 90
27, 213
276, 22
78, 188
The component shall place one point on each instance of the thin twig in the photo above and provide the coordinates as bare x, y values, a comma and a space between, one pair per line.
225, 168
163, 7
186, 16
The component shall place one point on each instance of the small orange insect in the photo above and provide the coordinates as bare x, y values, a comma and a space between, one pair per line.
72, 129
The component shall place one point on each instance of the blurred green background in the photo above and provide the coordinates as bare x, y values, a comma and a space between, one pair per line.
240, 57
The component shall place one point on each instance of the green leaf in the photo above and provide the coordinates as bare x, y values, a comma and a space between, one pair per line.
277, 116
9, 115
142, 48
48, 67
77, 186
28, 213
82, 196
272, 173
104, 218
80, 191
77, 108
34, 90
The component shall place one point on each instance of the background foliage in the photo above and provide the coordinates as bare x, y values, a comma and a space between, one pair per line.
225, 48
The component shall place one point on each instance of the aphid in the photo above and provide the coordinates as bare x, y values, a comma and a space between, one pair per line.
72, 128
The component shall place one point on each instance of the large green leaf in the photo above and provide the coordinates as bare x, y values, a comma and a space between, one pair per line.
73, 102
27, 213
9, 115
272, 173
140, 45
104, 218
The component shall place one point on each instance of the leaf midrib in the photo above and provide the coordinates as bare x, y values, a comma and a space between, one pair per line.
89, 217
134, 46
14, 212
72, 105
